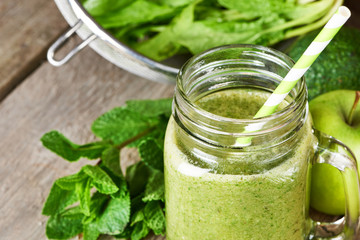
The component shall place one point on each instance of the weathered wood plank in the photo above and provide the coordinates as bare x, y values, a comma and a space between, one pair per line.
27, 28
67, 99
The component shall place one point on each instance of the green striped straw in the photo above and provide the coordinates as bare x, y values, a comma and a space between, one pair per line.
298, 70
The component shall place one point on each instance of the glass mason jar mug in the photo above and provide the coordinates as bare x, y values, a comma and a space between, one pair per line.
218, 189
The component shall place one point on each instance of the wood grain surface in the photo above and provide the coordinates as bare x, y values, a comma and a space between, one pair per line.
27, 28
66, 99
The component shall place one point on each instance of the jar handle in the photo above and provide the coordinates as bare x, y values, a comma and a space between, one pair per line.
331, 151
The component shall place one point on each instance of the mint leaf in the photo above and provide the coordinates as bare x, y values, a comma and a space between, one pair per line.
154, 217
111, 159
108, 210
115, 217
58, 200
137, 176
125, 234
151, 108
101, 181
123, 189
137, 204
82, 190
121, 124
72, 212
157, 133
109, 215
138, 216
90, 232
97, 204
69, 182
64, 226
155, 187
59, 144
152, 154
140, 231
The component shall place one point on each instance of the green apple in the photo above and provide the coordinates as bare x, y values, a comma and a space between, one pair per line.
334, 113
327, 190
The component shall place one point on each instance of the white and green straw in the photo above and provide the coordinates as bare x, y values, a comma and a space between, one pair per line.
298, 70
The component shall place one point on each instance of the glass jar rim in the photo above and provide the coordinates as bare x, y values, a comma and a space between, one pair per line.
278, 55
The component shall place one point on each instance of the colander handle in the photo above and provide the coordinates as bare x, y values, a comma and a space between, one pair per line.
62, 40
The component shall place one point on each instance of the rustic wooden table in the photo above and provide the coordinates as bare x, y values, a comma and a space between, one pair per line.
36, 97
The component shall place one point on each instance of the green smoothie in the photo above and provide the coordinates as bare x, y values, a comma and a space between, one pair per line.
203, 204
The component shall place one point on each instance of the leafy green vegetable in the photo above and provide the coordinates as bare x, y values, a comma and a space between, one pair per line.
98, 8
98, 199
135, 13
151, 154
140, 231
337, 67
101, 181
154, 189
175, 3
64, 226
115, 217
150, 108
154, 217
58, 200
69, 182
160, 29
138, 216
137, 175
60, 145
121, 124
90, 232
82, 190
111, 159
252, 7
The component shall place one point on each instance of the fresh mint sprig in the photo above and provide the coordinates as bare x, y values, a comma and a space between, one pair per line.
99, 199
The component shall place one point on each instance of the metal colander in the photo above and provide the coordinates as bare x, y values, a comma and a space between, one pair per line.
105, 45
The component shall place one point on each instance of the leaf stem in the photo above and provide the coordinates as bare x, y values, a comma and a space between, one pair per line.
93, 145
130, 140
309, 27
351, 114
